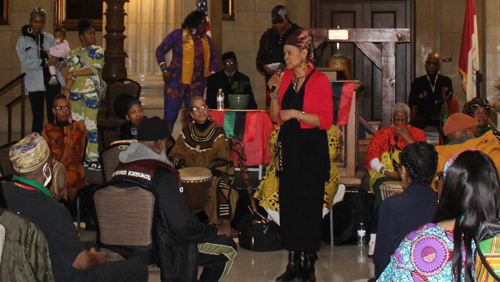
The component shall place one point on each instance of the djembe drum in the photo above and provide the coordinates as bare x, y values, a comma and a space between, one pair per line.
391, 188
196, 182
58, 183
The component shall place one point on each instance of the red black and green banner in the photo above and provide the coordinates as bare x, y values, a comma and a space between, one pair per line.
342, 101
240, 125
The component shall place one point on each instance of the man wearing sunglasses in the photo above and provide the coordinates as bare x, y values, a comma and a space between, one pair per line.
272, 42
428, 93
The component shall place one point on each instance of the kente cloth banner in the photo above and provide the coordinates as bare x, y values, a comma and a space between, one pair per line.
240, 125
342, 100
469, 54
203, 7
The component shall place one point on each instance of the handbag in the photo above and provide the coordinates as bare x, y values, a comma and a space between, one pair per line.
100, 85
488, 250
259, 234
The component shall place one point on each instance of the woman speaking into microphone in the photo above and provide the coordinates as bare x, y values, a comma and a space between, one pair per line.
302, 104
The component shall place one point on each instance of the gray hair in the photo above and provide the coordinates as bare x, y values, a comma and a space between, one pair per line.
401, 107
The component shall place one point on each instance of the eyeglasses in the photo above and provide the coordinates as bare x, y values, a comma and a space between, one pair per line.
429, 63
59, 108
230, 63
481, 113
278, 21
199, 108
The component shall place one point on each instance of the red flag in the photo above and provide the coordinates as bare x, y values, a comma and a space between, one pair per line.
469, 55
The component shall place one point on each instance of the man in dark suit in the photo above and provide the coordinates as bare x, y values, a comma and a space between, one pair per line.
231, 81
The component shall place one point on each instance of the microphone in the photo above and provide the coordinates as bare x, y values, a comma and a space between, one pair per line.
281, 68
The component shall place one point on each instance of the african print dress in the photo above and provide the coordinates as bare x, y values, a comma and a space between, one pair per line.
386, 146
424, 255
209, 147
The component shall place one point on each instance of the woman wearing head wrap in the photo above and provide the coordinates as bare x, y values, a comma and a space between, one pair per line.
302, 105
479, 109
84, 68
31, 47
193, 59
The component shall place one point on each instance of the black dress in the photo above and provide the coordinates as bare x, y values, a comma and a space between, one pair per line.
306, 167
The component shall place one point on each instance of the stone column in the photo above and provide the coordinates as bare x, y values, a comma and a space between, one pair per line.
114, 68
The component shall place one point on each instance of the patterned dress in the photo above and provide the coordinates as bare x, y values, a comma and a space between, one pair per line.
211, 149
424, 255
177, 92
386, 146
83, 94
67, 145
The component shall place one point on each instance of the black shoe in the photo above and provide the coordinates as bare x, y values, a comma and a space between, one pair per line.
308, 269
293, 269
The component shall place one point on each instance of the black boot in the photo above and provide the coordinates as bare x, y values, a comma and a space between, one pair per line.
308, 270
293, 269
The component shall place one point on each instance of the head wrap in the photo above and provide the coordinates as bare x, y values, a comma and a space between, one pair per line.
451, 161
279, 12
458, 122
229, 55
152, 129
303, 39
30, 153
123, 103
38, 11
473, 104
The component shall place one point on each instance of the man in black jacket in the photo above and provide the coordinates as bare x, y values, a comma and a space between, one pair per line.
427, 93
231, 81
184, 241
272, 42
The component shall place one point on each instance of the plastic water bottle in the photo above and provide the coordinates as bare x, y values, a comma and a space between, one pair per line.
361, 234
220, 100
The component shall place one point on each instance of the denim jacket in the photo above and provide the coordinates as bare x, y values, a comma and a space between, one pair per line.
31, 64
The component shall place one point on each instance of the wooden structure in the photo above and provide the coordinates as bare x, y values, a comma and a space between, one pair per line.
114, 69
384, 58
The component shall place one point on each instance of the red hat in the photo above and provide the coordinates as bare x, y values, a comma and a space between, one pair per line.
458, 122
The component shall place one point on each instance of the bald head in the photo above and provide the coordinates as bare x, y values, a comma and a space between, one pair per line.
433, 63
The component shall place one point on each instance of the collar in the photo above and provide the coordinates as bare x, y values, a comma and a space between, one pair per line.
33, 183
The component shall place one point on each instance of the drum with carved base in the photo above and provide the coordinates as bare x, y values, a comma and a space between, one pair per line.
391, 188
196, 182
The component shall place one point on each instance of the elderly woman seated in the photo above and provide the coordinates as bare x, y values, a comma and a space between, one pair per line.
203, 143
382, 159
479, 109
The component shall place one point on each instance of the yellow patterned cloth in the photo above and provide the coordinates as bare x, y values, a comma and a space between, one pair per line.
30, 153
267, 193
188, 56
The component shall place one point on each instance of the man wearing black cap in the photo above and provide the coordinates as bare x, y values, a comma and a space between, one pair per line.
272, 42
231, 81
184, 241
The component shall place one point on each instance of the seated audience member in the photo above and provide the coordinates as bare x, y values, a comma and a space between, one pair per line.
66, 139
462, 132
203, 143
130, 108
400, 214
479, 109
27, 195
382, 159
444, 250
231, 81
22, 239
185, 234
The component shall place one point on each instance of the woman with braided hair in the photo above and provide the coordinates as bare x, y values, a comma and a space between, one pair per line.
403, 213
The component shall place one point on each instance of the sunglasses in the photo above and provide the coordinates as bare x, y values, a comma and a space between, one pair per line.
278, 21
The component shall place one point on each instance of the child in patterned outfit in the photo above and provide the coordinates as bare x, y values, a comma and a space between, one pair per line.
59, 50
81, 88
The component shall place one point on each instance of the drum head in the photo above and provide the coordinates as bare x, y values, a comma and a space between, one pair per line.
195, 173
122, 145
58, 180
394, 184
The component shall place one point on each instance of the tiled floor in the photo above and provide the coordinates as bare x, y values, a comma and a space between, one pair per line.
337, 263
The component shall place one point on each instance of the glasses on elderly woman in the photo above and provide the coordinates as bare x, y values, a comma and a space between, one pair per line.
483, 113
199, 108
278, 21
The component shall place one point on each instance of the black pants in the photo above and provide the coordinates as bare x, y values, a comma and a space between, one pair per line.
130, 270
216, 261
36, 101
422, 120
